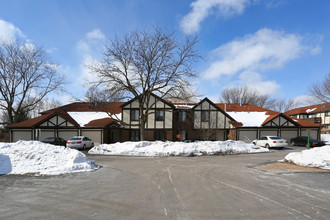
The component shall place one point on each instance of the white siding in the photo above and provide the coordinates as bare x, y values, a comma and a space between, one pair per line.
221, 120
213, 119
197, 119
151, 119
168, 119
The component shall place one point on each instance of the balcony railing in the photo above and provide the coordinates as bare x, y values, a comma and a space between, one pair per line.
317, 120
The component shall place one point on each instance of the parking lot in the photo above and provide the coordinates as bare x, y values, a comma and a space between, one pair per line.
210, 187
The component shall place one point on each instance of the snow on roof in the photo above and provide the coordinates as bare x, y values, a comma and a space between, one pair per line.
83, 118
183, 106
310, 110
249, 119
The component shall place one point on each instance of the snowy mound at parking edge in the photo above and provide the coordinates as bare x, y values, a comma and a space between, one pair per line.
37, 158
168, 148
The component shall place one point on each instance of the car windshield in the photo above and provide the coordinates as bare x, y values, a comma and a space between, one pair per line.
50, 139
75, 139
275, 138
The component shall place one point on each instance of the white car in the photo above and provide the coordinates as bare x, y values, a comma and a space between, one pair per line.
80, 142
270, 141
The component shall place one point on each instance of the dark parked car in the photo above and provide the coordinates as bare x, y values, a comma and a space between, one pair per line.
55, 141
302, 141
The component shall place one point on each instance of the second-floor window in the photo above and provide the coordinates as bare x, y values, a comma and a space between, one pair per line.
182, 116
160, 115
205, 116
135, 113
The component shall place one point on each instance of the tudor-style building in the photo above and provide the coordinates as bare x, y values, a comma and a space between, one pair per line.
255, 122
159, 123
319, 114
118, 122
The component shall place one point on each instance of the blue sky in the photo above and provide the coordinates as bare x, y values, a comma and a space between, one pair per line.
279, 47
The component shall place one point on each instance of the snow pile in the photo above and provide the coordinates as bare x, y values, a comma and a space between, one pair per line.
159, 148
37, 158
325, 138
316, 157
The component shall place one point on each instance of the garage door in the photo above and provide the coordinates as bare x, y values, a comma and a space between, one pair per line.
287, 134
247, 135
268, 133
313, 133
46, 133
21, 135
95, 135
67, 134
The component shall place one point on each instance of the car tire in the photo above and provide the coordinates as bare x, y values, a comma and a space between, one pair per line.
84, 147
254, 143
267, 145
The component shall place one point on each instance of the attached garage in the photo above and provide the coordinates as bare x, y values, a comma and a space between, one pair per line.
21, 135
247, 135
268, 132
314, 133
45, 133
66, 134
95, 135
288, 133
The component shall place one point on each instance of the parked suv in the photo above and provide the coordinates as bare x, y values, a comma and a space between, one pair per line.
80, 142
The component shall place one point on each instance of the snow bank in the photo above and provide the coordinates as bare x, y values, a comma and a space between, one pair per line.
159, 148
37, 158
316, 157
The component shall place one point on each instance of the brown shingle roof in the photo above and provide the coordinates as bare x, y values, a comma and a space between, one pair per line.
310, 109
111, 107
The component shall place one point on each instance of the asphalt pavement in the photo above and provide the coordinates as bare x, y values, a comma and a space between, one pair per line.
207, 187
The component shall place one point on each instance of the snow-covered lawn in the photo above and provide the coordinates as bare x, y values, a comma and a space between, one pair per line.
159, 148
316, 157
37, 158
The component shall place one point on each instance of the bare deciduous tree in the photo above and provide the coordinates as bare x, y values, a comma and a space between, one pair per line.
142, 63
322, 90
26, 77
283, 105
97, 94
44, 105
246, 95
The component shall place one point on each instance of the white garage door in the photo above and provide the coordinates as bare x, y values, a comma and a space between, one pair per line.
45, 134
247, 135
287, 134
21, 135
268, 133
95, 135
67, 134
